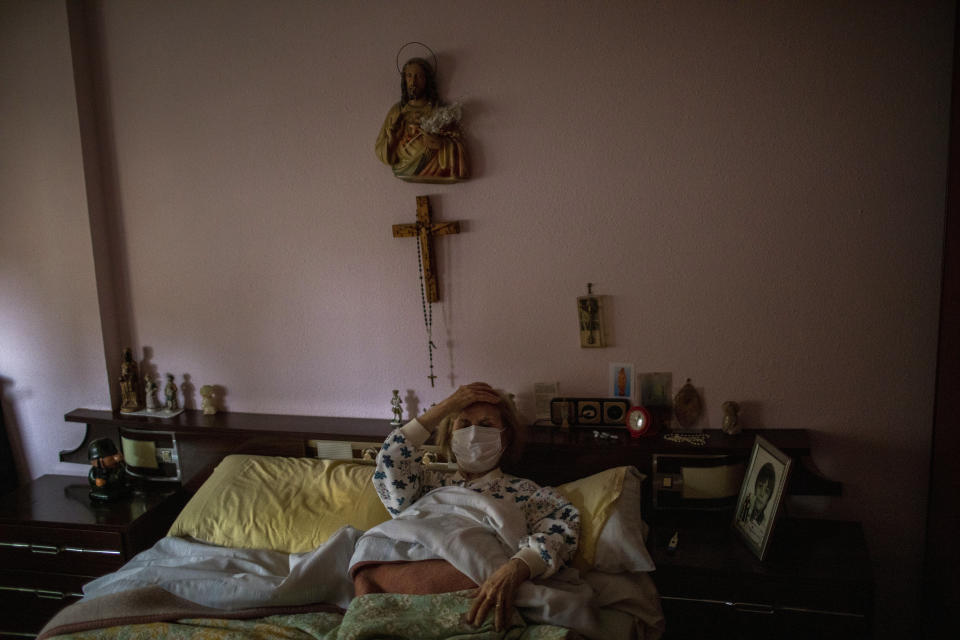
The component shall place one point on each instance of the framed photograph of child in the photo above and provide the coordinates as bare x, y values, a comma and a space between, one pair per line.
761, 495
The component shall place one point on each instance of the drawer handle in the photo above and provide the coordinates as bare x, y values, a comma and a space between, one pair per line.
105, 552
51, 550
750, 607
46, 594
44, 549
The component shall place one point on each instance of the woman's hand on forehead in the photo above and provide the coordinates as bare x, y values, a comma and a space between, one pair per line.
463, 397
478, 392
472, 393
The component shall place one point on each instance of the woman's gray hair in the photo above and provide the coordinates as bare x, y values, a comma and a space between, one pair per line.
510, 419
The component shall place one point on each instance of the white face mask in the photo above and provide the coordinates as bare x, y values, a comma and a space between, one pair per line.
477, 448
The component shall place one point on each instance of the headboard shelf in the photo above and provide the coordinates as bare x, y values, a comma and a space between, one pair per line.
583, 452
203, 440
795, 442
552, 455
192, 420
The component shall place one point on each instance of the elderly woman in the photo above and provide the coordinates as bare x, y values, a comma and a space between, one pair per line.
487, 512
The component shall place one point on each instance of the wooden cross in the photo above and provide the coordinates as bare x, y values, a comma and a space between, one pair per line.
426, 229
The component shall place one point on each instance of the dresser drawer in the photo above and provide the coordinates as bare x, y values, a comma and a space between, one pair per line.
701, 618
30, 599
60, 550
839, 597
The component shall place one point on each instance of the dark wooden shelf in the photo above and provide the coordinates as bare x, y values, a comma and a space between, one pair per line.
545, 441
195, 421
817, 579
64, 501
204, 440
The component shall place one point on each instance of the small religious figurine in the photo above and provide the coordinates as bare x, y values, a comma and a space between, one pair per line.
590, 310
106, 475
129, 383
687, 405
421, 138
395, 402
731, 418
151, 387
208, 402
170, 392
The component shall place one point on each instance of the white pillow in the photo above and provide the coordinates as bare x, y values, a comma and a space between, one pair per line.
621, 545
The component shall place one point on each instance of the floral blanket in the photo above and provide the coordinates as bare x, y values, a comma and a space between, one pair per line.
380, 615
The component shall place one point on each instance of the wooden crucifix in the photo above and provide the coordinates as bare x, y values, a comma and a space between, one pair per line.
424, 229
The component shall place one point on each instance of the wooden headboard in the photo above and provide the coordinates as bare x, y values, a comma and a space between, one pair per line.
552, 455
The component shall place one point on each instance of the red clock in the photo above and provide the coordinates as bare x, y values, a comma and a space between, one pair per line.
639, 423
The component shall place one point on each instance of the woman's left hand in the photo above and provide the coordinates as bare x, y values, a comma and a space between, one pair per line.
498, 593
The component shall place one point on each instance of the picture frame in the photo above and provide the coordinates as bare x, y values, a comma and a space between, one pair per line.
621, 383
761, 495
590, 313
543, 393
656, 389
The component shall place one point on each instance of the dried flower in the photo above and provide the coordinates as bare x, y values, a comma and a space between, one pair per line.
443, 119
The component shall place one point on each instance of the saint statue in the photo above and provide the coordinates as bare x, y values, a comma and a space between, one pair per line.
129, 383
731, 419
151, 387
209, 401
170, 392
421, 139
395, 402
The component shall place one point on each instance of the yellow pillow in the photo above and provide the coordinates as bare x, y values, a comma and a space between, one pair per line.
295, 504
285, 504
594, 496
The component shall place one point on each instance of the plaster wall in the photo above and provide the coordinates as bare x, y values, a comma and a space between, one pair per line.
757, 188
51, 347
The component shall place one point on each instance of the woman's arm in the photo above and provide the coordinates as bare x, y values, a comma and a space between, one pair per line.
400, 477
554, 526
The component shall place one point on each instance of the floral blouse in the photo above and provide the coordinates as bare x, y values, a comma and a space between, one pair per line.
553, 523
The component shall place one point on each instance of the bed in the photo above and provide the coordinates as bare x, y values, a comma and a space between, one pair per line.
261, 550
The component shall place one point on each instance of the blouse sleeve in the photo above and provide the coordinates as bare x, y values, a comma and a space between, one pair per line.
554, 526
401, 477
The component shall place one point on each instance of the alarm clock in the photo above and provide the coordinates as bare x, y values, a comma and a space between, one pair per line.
639, 423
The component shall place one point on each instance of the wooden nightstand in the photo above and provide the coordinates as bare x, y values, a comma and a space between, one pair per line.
53, 540
817, 581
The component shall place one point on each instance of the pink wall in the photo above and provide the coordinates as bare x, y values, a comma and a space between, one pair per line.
51, 346
757, 187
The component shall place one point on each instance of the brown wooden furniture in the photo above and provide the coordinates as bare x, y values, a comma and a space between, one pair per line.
582, 453
203, 440
817, 580
53, 540
552, 455
940, 588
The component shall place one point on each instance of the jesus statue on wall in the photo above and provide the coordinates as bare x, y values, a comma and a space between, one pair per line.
421, 139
